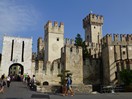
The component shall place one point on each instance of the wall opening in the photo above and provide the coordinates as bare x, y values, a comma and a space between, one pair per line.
16, 70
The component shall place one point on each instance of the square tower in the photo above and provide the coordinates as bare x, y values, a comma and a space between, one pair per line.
16, 52
93, 28
53, 41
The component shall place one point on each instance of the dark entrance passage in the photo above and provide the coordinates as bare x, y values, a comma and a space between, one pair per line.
16, 71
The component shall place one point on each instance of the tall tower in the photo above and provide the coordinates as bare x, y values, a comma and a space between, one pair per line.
40, 48
53, 41
93, 28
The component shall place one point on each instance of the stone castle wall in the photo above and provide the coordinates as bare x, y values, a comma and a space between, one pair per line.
118, 57
72, 61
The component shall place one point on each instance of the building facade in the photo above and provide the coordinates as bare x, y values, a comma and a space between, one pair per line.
108, 55
16, 52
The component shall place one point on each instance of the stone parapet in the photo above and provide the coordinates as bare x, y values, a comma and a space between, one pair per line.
86, 89
54, 28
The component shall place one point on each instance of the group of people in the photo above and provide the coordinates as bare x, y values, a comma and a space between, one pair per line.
7, 80
4, 81
68, 86
30, 81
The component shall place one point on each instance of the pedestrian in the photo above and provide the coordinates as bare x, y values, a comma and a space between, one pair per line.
3, 83
33, 80
64, 87
69, 86
28, 80
8, 81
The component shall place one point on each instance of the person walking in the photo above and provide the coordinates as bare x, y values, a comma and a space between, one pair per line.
69, 87
8, 81
3, 83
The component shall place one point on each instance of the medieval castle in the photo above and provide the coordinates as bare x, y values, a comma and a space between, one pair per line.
108, 54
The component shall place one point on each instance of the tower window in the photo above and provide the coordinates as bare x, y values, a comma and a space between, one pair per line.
57, 39
123, 52
12, 47
116, 77
23, 51
71, 49
94, 27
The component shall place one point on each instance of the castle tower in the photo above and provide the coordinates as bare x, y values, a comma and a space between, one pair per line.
53, 41
40, 48
93, 28
16, 56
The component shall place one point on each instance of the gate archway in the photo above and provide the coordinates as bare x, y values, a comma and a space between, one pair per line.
16, 69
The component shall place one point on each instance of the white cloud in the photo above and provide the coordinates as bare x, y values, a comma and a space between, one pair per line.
15, 18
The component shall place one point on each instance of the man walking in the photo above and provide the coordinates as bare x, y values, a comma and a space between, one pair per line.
69, 87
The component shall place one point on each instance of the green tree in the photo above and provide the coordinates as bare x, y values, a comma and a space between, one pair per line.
85, 51
126, 76
63, 76
79, 42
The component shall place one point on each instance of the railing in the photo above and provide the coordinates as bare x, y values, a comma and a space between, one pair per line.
111, 89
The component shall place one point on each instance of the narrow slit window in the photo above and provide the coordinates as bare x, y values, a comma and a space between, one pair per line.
71, 49
12, 50
23, 51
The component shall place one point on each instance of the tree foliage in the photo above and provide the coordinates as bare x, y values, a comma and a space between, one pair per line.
126, 76
63, 76
79, 42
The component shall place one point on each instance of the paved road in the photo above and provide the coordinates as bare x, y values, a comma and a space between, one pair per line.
18, 90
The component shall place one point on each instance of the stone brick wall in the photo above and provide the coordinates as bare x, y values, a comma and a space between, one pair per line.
72, 61
85, 89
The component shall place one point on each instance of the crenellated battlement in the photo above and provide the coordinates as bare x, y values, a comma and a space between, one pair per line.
68, 41
92, 45
93, 49
117, 39
71, 49
54, 27
92, 19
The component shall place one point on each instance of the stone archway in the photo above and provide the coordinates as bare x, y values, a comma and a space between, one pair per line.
16, 69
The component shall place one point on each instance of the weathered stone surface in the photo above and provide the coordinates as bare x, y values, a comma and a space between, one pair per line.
13, 46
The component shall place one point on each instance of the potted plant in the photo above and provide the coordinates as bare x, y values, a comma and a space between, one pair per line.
63, 81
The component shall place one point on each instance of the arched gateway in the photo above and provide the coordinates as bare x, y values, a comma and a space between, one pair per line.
16, 69
16, 56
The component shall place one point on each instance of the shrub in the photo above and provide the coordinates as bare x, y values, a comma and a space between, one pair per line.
126, 76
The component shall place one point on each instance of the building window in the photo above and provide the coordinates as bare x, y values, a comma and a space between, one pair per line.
123, 52
14, 68
12, 47
71, 49
94, 27
123, 46
116, 77
22, 51
57, 39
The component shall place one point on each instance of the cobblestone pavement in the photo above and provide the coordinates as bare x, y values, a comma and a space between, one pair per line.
19, 90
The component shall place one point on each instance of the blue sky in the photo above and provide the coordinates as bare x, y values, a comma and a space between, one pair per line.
26, 18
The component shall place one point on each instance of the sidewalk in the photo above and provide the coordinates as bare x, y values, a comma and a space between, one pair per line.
19, 90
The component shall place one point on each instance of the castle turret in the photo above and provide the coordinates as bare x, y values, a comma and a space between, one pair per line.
53, 40
93, 27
